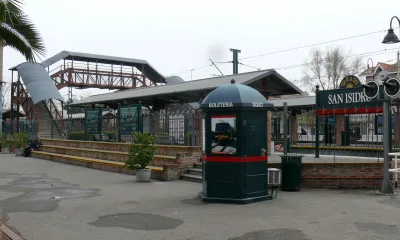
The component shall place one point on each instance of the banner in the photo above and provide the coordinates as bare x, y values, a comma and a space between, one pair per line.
93, 121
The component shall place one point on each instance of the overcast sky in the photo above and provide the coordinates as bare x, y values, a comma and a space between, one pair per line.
178, 35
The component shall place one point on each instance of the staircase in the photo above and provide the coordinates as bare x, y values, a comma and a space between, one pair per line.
47, 125
194, 174
49, 121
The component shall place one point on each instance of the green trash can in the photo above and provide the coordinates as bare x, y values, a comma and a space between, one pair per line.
291, 172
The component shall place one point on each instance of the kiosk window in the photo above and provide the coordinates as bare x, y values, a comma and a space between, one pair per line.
223, 130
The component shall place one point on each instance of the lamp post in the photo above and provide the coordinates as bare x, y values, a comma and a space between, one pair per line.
386, 187
372, 62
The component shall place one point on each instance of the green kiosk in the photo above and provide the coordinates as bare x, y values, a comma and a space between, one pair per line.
235, 162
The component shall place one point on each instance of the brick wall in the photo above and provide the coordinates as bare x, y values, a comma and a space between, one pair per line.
351, 175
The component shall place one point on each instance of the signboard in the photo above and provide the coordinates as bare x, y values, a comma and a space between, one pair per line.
345, 98
350, 81
128, 117
93, 121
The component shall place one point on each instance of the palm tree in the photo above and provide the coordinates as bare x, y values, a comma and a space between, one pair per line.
18, 32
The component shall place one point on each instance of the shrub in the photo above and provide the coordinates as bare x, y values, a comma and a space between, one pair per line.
6, 140
20, 140
141, 152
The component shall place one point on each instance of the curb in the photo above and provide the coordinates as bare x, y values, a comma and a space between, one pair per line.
9, 235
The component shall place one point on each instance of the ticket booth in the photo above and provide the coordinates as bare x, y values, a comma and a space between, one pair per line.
235, 162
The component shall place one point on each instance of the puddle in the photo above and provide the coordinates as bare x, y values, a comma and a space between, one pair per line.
138, 221
39, 194
280, 233
379, 228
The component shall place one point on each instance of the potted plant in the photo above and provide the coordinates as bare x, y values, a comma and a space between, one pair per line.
20, 141
5, 143
141, 153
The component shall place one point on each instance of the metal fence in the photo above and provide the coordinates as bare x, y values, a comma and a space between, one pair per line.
354, 131
172, 126
25, 126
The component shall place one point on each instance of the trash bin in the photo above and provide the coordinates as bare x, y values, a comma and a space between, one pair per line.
291, 172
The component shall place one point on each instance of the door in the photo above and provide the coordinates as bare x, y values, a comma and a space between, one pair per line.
255, 149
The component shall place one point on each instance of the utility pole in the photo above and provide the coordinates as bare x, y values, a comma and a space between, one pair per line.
285, 128
235, 60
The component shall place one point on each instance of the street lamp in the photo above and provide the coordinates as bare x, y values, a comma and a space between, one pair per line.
386, 187
391, 37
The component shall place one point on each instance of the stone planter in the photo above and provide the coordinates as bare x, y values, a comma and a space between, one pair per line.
18, 152
143, 175
5, 150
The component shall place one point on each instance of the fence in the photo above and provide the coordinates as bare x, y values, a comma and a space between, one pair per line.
178, 126
25, 126
353, 131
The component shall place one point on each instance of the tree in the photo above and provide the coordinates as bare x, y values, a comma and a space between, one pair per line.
327, 68
18, 32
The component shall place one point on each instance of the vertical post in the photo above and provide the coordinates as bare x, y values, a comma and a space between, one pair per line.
235, 60
18, 103
317, 123
285, 128
12, 102
396, 175
386, 186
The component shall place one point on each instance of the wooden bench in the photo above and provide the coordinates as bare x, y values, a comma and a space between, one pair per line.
108, 155
93, 163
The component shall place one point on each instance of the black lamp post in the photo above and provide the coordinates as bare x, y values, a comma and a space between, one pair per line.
391, 37
386, 187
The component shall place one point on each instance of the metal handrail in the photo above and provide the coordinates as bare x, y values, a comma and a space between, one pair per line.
55, 115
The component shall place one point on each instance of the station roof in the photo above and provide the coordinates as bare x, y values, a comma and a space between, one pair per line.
151, 72
293, 101
193, 91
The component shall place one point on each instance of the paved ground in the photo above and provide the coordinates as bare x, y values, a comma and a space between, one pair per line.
47, 200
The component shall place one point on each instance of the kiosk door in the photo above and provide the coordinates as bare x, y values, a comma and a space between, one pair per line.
255, 146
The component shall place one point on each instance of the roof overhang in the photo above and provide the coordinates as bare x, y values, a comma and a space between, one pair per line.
151, 72
268, 82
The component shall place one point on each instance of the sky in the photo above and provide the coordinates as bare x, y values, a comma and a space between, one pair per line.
178, 35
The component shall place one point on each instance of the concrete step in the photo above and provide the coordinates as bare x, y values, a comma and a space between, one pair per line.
195, 171
191, 178
198, 165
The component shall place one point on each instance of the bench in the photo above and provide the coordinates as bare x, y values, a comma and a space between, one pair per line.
108, 155
92, 163
371, 138
309, 138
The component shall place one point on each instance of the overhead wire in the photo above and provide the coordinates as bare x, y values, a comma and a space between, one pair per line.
312, 45
281, 51
250, 66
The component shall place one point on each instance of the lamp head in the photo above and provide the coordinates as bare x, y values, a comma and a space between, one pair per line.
390, 37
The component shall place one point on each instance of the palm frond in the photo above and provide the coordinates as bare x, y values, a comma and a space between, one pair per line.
18, 32
10, 38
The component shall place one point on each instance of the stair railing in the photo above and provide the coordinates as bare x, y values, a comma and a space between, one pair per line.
55, 115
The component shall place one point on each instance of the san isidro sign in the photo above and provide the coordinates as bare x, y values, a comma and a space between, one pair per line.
350, 95
347, 98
